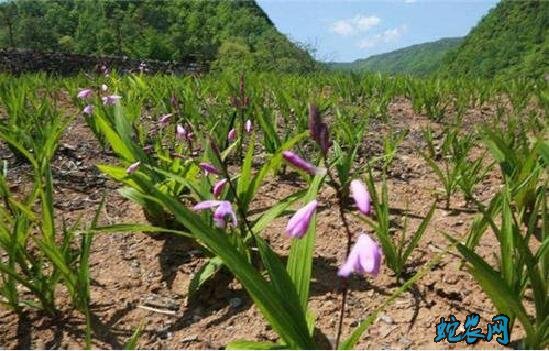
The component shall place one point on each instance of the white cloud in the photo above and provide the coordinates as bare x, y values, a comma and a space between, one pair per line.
342, 28
388, 36
358, 24
364, 23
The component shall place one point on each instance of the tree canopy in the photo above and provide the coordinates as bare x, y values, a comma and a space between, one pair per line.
511, 40
235, 33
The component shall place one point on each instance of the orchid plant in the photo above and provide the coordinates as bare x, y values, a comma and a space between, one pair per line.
221, 222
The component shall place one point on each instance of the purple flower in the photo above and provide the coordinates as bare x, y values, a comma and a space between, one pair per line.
299, 223
324, 138
318, 130
365, 257
314, 122
110, 100
361, 196
248, 126
85, 94
208, 168
218, 187
180, 132
165, 119
223, 210
173, 101
133, 167
300, 163
232, 135
88, 110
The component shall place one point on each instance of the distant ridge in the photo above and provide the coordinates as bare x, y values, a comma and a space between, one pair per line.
419, 59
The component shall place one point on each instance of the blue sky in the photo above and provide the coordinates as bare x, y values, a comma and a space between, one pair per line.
345, 30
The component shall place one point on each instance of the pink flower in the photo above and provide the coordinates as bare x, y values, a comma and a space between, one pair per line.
361, 196
223, 210
208, 168
180, 132
232, 135
218, 187
365, 257
299, 223
88, 110
111, 99
85, 94
133, 167
165, 119
300, 163
248, 126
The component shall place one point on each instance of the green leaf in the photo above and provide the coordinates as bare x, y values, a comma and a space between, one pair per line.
268, 216
289, 324
115, 140
419, 233
46, 194
495, 287
244, 182
254, 345
131, 344
506, 238
280, 279
205, 272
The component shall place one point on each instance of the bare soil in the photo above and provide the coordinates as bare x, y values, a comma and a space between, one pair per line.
140, 280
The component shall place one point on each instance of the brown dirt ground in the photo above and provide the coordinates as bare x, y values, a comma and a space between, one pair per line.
130, 271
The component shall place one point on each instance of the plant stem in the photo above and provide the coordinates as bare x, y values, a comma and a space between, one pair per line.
233, 191
344, 281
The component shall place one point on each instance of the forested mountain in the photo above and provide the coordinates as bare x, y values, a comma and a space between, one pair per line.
421, 59
229, 33
511, 40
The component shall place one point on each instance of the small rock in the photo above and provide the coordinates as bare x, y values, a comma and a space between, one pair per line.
405, 342
235, 302
386, 319
163, 302
451, 279
39, 344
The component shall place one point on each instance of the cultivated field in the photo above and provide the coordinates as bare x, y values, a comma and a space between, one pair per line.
225, 211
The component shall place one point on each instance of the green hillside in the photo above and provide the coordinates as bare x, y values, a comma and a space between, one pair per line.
421, 59
230, 33
511, 40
